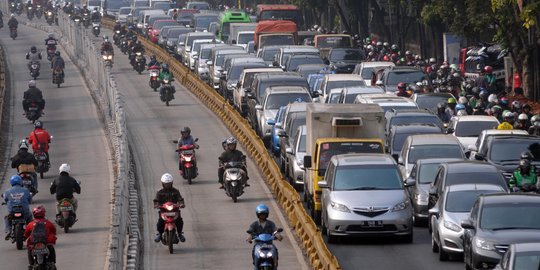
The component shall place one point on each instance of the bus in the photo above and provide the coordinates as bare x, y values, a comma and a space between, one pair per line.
279, 12
226, 18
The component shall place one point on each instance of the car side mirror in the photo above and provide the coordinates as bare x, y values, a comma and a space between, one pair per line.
289, 151
275, 64
258, 107
396, 157
280, 230
433, 192
433, 212
282, 133
209, 62
479, 157
326, 62
238, 85
307, 161
195, 57
467, 224
449, 130
410, 182
271, 122
315, 94
196, 140
250, 95
233, 41
278, 125
323, 184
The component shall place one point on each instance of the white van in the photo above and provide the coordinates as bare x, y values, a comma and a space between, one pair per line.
143, 16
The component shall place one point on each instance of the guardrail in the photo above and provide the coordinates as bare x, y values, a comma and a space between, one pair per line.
3, 94
317, 251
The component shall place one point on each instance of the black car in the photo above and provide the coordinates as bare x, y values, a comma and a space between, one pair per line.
497, 221
293, 61
343, 60
430, 101
392, 76
410, 116
399, 133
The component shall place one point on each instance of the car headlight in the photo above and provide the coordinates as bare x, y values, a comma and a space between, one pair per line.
339, 207
300, 162
401, 206
217, 73
169, 43
451, 226
421, 199
483, 244
230, 86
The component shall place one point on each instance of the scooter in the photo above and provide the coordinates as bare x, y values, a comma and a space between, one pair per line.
154, 74
234, 178
18, 223
57, 77
30, 13
33, 113
34, 70
116, 37
170, 212
43, 166
124, 46
49, 17
12, 7
19, 9
167, 90
140, 62
187, 159
86, 20
96, 27
13, 33
108, 59
265, 253
39, 11
40, 253
66, 216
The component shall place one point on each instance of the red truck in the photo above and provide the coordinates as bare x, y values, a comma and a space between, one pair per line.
275, 33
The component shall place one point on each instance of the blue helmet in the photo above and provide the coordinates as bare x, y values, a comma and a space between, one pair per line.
460, 107
15, 180
262, 209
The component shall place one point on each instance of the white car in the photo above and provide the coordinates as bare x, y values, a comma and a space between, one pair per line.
366, 69
467, 127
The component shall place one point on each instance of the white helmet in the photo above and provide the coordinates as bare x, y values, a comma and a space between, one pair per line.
65, 168
523, 117
461, 113
463, 100
492, 98
166, 178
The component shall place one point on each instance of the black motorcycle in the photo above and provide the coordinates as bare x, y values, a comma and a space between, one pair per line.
167, 90
39, 11
124, 46
28, 182
34, 70
17, 221
33, 113
96, 27
13, 33
19, 9
57, 77
49, 17
140, 62
43, 165
30, 13
116, 37
40, 254
12, 7
86, 20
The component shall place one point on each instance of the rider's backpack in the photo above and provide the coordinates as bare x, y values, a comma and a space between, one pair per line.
39, 233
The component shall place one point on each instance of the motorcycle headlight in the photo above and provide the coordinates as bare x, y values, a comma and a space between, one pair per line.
165, 81
339, 207
29, 7
421, 199
169, 43
451, 226
234, 177
401, 206
49, 13
262, 254
169, 207
231, 86
188, 159
483, 244
138, 53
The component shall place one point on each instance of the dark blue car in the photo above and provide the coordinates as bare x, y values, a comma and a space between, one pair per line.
276, 123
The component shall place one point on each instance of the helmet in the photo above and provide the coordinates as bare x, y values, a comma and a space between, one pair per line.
408, 53
523, 117
526, 106
185, 130
262, 209
525, 164
504, 100
535, 118
432, 60
463, 100
379, 44
15, 180
516, 104
451, 100
401, 86
38, 124
369, 47
23, 144
454, 67
51, 35
496, 109
167, 178
386, 44
460, 107
526, 155
33, 49
461, 112
488, 69
39, 211
57, 53
386, 58
441, 105
394, 47
165, 66
32, 83
231, 140
508, 114
12, 15
64, 168
105, 37
492, 98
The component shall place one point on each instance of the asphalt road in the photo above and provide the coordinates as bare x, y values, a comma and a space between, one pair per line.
215, 227
79, 139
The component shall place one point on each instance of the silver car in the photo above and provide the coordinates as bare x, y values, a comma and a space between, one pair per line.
447, 214
363, 194
297, 151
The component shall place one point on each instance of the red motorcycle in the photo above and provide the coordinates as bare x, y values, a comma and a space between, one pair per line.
154, 74
170, 212
186, 159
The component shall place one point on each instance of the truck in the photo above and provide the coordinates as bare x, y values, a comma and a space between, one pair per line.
334, 129
276, 32
472, 59
236, 29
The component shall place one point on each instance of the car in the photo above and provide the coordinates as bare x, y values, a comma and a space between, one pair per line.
201, 21
201, 67
162, 5
155, 30
215, 61
418, 183
445, 217
362, 194
430, 101
295, 116
398, 134
184, 16
229, 81
410, 116
480, 144
332, 81
194, 54
387, 101
467, 127
427, 146
268, 54
307, 69
391, 76
520, 256
343, 60
333, 96
348, 94
276, 126
198, 5
464, 172
368, 69
171, 32
294, 60
123, 14
149, 26
497, 221
297, 151
188, 43
285, 51
245, 80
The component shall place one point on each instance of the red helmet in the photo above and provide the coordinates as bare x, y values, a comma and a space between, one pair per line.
386, 58
39, 211
401, 86
488, 69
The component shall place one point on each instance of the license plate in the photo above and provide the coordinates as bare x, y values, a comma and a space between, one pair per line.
372, 223
66, 208
169, 214
34, 66
27, 182
41, 251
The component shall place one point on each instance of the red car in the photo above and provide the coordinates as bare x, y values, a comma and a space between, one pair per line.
155, 29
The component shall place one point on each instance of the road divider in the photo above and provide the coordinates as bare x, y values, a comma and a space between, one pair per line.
319, 256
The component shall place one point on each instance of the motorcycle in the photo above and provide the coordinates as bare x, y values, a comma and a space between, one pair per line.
40, 253
33, 113
39, 11
43, 165
108, 59
116, 37
49, 17
50, 51
13, 33
124, 46
19, 9
170, 212
187, 159
234, 178
96, 26
265, 253
57, 77
66, 216
34, 70
12, 7
140, 62
167, 90
30, 13
18, 223
154, 74
28, 183
86, 20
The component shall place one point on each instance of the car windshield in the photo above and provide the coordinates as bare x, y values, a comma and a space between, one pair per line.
474, 178
269, 54
124, 11
159, 25
398, 107
225, 30
343, 84
296, 61
427, 173
400, 137
244, 38
434, 151
193, 38
298, 120
500, 216
330, 149
236, 70
430, 102
275, 101
164, 6
462, 201
205, 53
415, 119
396, 77
221, 58
367, 177
333, 42
333, 98
116, 4
527, 260
204, 21
510, 150
346, 55
175, 32
473, 128
270, 40
197, 45
291, 15
140, 3
94, 3
284, 82
302, 144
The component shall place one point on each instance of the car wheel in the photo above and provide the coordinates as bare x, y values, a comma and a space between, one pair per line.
443, 255
417, 222
434, 245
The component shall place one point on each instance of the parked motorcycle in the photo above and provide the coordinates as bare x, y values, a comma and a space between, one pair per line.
154, 74
18, 223
167, 90
30, 13
265, 253
108, 59
170, 212
234, 178
39, 11
66, 216
140, 62
96, 27
13, 33
187, 160
49, 17
33, 113
34, 70
40, 253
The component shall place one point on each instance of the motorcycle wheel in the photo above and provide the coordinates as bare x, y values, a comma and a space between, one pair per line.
234, 194
58, 85
189, 176
35, 77
66, 225
19, 238
41, 175
139, 71
167, 103
170, 237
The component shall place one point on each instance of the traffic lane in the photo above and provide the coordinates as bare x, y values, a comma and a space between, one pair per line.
214, 225
71, 117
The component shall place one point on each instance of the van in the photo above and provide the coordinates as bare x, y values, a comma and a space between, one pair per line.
142, 19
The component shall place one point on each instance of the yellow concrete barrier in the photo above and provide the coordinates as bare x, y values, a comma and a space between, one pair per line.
318, 254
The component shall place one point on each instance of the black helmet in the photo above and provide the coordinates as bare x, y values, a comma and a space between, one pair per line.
185, 130
164, 66
153, 57
441, 105
525, 164
33, 49
38, 124
526, 155
57, 53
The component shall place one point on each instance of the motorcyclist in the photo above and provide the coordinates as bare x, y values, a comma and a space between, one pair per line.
230, 154
106, 46
33, 94
451, 109
187, 139
442, 113
490, 79
522, 122
51, 42
64, 186
28, 4
57, 62
535, 125
525, 174
17, 195
508, 117
153, 62
33, 57
165, 73
40, 139
13, 23
137, 47
49, 236
117, 26
25, 162
84, 10
402, 90
261, 226
95, 17
169, 194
